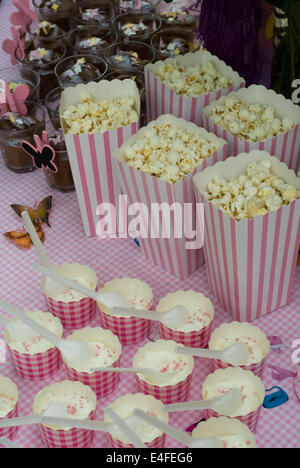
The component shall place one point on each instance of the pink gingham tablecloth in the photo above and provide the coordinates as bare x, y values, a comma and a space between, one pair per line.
65, 242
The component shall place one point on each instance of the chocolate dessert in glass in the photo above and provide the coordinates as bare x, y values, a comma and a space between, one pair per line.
136, 26
59, 12
16, 127
140, 6
62, 180
14, 78
80, 69
52, 103
90, 40
172, 16
45, 34
42, 61
129, 56
95, 12
169, 43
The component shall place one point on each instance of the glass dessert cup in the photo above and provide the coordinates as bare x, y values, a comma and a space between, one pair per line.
52, 103
143, 6
62, 180
95, 12
136, 26
44, 69
26, 76
48, 36
93, 69
168, 43
174, 17
47, 11
14, 156
91, 39
131, 56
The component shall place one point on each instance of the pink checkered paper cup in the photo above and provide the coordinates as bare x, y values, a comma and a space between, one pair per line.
73, 309
36, 359
250, 263
65, 392
107, 352
252, 337
8, 405
169, 249
232, 432
90, 155
130, 330
285, 146
162, 357
195, 332
251, 387
124, 406
161, 99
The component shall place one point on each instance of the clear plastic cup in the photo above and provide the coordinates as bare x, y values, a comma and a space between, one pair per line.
129, 56
91, 74
26, 76
171, 42
95, 12
91, 39
145, 24
62, 16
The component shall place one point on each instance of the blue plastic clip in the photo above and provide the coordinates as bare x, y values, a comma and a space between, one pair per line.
137, 242
275, 399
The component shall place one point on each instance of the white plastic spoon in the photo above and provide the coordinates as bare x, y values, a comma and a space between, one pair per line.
125, 428
224, 405
7, 443
182, 437
236, 354
35, 239
109, 299
159, 376
174, 317
74, 351
16, 329
55, 408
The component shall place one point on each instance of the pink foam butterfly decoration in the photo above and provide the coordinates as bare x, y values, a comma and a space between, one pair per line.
24, 16
17, 42
14, 101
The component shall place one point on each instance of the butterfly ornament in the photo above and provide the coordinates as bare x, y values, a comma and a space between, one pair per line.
43, 154
13, 101
24, 16
15, 45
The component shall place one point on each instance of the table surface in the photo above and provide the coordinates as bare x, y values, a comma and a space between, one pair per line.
110, 258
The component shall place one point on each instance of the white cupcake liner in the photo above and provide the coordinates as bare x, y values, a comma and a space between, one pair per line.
9, 389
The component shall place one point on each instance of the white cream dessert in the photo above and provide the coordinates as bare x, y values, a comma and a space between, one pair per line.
7, 404
232, 432
137, 292
161, 356
125, 406
69, 295
199, 307
223, 380
37, 343
78, 399
105, 346
252, 337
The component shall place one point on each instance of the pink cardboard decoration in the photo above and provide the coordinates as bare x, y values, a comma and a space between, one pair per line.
24, 16
14, 101
17, 42
43, 155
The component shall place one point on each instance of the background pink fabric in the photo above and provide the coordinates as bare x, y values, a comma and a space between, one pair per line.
65, 241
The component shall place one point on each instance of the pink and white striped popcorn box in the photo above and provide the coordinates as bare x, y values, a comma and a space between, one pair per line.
90, 155
285, 146
9, 391
163, 388
124, 406
161, 99
65, 437
241, 379
167, 246
79, 311
102, 383
250, 263
31, 365
201, 322
251, 336
129, 330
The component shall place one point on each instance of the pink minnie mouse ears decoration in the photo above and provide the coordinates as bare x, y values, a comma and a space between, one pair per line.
13, 101
43, 155
15, 45
24, 16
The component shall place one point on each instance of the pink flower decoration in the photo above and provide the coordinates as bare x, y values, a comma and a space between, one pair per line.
13, 101
24, 16
17, 42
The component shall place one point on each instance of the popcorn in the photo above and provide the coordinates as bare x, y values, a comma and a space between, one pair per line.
255, 193
253, 122
90, 117
169, 153
194, 80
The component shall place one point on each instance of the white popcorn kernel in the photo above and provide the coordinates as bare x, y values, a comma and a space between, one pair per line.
287, 124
